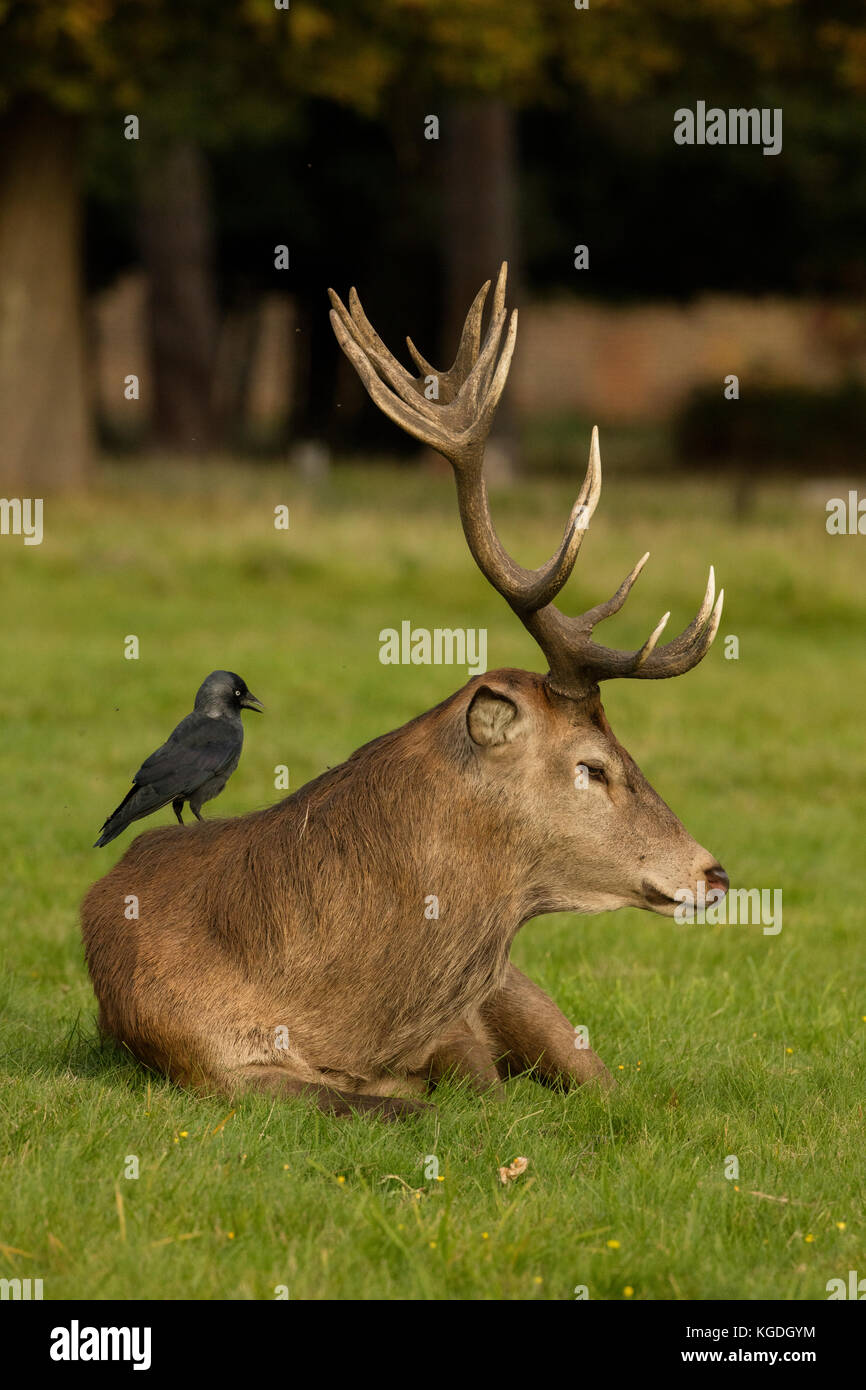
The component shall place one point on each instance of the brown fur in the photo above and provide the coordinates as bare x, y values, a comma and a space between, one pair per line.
309, 917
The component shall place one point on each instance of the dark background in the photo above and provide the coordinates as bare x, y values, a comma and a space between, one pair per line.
305, 127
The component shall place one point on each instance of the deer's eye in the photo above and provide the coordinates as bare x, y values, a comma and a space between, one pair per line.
596, 773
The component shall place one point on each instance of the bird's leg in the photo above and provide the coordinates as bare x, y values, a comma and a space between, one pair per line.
195, 812
177, 807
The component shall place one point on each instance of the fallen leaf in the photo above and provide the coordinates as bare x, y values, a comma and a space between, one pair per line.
514, 1170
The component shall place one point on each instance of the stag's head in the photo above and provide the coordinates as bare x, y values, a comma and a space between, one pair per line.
544, 751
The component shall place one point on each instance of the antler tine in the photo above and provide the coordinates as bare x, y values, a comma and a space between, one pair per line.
684, 642
558, 569
499, 292
649, 645
369, 339
692, 644
420, 426
612, 605
467, 352
396, 377
576, 659
528, 591
456, 426
387, 367
667, 662
467, 361
485, 367
476, 384
500, 376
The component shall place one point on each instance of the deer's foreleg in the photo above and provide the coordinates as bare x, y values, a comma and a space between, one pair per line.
530, 1034
468, 1053
280, 1083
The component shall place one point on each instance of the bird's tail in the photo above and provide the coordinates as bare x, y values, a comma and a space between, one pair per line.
138, 802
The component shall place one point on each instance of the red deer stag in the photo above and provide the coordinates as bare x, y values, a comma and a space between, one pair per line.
292, 950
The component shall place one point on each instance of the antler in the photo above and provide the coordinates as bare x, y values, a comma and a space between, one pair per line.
453, 412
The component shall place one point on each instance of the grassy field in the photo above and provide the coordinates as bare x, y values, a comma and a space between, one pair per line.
725, 1041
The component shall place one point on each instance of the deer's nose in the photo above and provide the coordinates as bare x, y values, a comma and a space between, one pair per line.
716, 878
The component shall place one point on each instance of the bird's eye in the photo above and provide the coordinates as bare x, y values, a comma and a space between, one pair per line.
238, 693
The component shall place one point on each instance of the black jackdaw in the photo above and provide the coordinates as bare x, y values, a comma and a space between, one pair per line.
197, 759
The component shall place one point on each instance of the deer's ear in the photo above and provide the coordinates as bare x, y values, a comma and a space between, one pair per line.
492, 718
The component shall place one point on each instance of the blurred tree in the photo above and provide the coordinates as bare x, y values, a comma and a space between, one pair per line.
176, 229
190, 78
480, 181
204, 77
44, 394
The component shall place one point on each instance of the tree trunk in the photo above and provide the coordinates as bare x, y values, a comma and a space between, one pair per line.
45, 436
480, 231
177, 247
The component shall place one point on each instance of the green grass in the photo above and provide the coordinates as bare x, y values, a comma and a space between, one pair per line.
724, 1041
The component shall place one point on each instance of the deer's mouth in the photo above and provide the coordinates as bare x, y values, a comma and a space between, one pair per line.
654, 897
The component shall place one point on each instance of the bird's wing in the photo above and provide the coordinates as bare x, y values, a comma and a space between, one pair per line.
198, 749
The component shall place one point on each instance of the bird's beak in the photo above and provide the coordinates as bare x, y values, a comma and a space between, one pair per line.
249, 701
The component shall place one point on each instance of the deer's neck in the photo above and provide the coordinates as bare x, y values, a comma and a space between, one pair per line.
409, 892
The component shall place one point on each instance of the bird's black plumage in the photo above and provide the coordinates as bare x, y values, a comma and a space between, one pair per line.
196, 760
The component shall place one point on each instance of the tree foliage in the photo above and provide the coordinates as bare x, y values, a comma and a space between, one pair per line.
210, 70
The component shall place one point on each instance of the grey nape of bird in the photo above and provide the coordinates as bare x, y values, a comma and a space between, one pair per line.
196, 760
